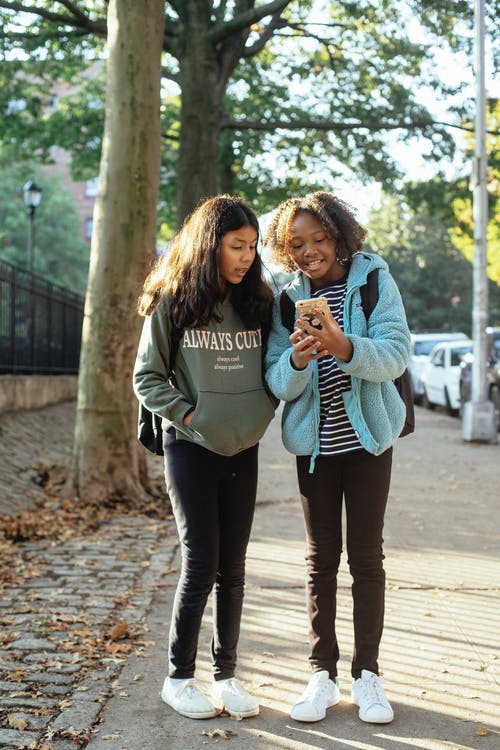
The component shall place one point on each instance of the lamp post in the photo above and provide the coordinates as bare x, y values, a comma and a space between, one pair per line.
32, 196
478, 418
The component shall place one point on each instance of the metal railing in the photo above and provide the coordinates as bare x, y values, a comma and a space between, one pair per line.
40, 324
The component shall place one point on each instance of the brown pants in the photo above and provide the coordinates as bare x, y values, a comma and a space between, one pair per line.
362, 481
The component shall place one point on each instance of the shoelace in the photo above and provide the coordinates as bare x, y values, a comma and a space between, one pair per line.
373, 691
189, 689
313, 692
235, 687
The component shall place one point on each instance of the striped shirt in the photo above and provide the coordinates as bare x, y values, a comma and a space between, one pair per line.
336, 434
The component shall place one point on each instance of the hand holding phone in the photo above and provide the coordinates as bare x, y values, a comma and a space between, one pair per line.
305, 309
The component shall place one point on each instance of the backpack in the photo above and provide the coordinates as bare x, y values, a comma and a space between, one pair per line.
149, 431
369, 298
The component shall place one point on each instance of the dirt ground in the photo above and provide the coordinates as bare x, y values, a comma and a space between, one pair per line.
32, 442
433, 462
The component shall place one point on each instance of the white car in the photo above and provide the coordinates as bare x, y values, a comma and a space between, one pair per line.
441, 375
422, 345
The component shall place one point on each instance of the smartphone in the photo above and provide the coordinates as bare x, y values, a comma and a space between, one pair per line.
305, 310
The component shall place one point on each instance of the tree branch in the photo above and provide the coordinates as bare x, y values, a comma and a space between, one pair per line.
165, 73
27, 35
221, 31
468, 129
73, 9
275, 23
176, 5
272, 125
322, 125
82, 22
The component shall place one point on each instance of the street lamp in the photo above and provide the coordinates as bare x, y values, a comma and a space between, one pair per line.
32, 196
478, 417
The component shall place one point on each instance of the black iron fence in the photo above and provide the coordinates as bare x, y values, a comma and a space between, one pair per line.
40, 324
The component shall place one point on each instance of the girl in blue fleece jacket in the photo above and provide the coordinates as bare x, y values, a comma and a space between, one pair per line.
342, 414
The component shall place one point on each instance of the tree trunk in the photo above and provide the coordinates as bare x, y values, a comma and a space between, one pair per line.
197, 172
106, 460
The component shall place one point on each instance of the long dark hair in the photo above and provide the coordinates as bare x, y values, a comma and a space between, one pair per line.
189, 272
337, 218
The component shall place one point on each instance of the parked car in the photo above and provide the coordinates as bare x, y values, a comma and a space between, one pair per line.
441, 375
492, 372
422, 345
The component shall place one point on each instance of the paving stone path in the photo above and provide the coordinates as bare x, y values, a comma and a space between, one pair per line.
58, 663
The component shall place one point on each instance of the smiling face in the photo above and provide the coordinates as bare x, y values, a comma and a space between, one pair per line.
313, 251
237, 253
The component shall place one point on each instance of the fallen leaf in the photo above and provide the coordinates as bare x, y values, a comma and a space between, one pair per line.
121, 630
482, 732
16, 676
117, 648
223, 734
17, 723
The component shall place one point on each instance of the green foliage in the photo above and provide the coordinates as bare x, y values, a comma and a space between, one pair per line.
451, 201
462, 232
434, 278
60, 255
365, 69
361, 64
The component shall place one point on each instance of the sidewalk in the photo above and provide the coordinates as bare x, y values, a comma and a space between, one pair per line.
440, 652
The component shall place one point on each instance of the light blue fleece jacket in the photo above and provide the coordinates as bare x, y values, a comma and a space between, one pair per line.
381, 348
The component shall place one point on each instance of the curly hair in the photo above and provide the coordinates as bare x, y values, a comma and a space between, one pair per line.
189, 272
336, 217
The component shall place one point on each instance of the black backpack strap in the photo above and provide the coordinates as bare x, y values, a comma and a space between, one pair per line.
369, 293
149, 429
287, 310
369, 298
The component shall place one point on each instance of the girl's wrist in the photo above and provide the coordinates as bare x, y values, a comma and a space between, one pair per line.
295, 365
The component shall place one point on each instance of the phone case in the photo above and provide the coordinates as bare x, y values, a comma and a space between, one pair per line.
305, 310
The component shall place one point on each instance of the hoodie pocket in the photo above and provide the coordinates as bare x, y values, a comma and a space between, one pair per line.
228, 423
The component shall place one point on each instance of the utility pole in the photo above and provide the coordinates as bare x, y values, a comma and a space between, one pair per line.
479, 422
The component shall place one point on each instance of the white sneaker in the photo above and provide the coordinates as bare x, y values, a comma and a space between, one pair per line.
186, 697
320, 694
232, 696
368, 694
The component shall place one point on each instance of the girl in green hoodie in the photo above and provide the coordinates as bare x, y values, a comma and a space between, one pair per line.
199, 367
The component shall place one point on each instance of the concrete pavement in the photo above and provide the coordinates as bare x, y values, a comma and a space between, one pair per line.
440, 652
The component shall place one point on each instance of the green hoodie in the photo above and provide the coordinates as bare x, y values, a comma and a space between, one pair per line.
217, 370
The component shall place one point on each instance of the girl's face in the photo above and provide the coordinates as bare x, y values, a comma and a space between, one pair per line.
237, 253
312, 251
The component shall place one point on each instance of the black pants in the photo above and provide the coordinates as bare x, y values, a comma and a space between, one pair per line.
213, 501
362, 480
